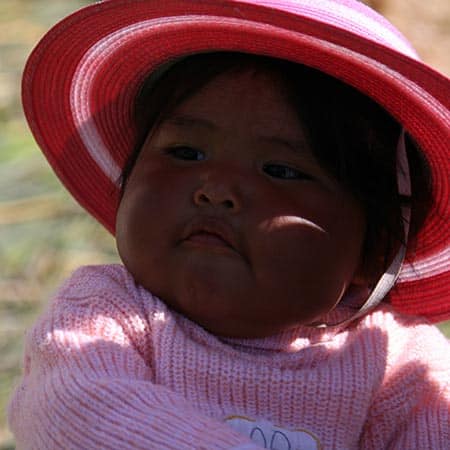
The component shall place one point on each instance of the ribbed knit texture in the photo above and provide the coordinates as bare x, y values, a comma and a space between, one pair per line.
109, 366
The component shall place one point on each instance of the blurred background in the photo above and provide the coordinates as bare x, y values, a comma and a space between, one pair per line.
44, 234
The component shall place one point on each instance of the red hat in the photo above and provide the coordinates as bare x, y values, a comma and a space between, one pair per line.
81, 80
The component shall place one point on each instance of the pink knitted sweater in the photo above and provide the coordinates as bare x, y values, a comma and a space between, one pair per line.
109, 366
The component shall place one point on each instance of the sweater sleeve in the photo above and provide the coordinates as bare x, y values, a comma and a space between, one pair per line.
412, 407
89, 380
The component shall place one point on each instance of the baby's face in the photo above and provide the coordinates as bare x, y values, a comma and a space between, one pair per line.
228, 218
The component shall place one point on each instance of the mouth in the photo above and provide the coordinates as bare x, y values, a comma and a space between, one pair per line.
210, 233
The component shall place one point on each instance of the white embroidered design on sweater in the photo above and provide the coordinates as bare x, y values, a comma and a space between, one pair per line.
267, 435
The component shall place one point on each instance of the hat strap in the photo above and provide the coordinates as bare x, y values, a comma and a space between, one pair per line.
389, 277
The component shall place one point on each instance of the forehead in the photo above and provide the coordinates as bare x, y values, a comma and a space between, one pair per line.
251, 100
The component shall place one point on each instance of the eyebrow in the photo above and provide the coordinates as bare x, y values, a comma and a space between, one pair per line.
185, 121
188, 121
295, 146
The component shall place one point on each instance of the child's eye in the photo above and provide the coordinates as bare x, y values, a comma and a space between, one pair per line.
186, 153
285, 172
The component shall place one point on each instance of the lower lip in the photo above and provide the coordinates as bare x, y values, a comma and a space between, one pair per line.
208, 241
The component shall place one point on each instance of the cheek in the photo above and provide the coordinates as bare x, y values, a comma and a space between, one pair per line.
311, 219
143, 218
150, 198
133, 231
134, 217
308, 253
299, 271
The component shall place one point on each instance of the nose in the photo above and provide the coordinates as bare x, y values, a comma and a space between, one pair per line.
217, 191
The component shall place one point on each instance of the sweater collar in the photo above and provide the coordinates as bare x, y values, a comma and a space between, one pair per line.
300, 337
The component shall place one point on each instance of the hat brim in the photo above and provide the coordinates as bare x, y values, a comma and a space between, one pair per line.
80, 83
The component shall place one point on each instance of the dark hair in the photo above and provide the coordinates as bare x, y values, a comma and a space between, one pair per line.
353, 138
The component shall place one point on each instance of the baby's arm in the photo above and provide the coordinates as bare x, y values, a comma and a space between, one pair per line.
412, 407
89, 380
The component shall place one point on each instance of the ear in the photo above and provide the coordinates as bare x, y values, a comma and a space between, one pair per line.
361, 276
369, 272
367, 275
355, 295
360, 279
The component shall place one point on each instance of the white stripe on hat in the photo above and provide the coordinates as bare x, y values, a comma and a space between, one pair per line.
342, 16
82, 117
426, 267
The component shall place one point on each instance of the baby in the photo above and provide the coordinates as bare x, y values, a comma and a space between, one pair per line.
281, 214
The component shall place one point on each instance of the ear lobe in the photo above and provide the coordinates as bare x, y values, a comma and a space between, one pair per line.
360, 280
355, 295
361, 277
369, 271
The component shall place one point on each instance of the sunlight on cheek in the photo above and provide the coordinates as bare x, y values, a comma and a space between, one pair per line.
277, 223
